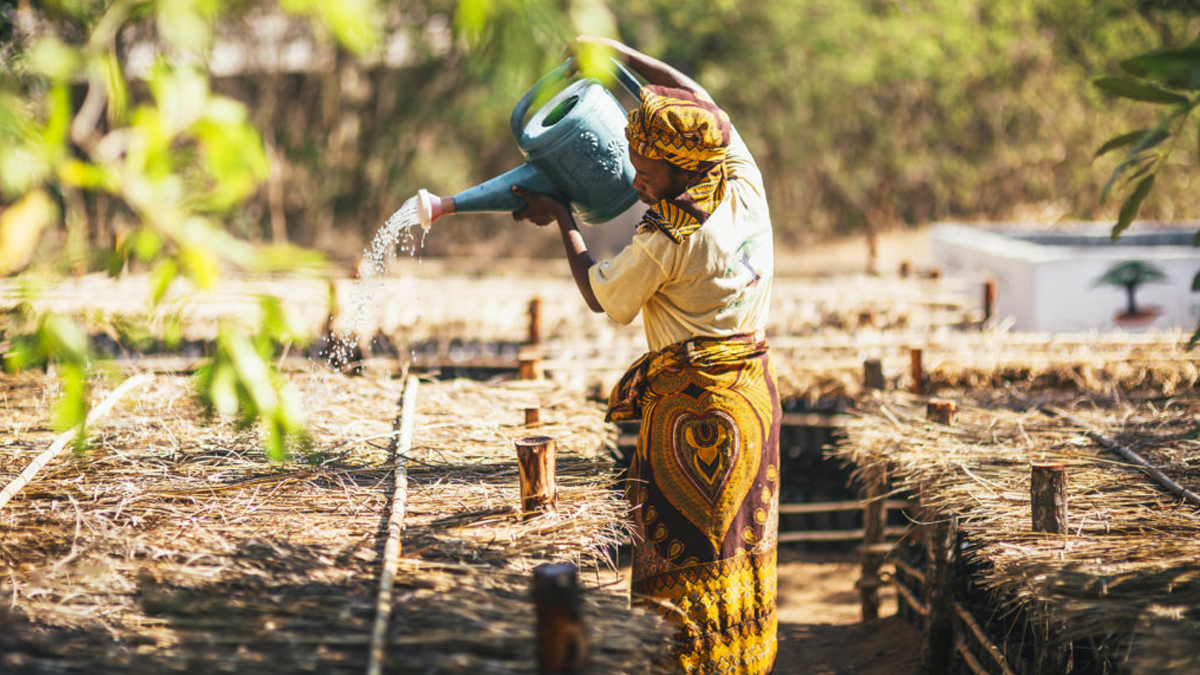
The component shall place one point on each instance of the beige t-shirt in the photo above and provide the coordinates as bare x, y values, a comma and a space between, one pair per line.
716, 283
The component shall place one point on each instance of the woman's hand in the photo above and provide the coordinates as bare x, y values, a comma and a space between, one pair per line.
541, 209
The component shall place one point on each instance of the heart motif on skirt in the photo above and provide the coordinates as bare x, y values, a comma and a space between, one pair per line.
706, 447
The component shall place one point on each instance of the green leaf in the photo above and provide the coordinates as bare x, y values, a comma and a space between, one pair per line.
1196, 283
54, 59
160, 279
21, 227
64, 340
1175, 68
222, 390
1138, 91
1130, 208
1120, 141
1120, 170
1193, 342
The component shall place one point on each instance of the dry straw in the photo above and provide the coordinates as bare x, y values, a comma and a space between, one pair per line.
175, 545
1126, 577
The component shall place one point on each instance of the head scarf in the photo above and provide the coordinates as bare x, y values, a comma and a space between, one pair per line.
679, 126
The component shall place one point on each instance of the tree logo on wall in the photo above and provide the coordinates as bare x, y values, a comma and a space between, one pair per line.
1129, 275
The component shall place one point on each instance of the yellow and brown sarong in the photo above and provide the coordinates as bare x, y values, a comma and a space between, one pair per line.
704, 485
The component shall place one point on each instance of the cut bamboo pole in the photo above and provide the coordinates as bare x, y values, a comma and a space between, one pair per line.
873, 374
535, 321
916, 371
562, 644
1048, 497
533, 417
941, 411
66, 437
529, 367
536, 464
401, 443
989, 299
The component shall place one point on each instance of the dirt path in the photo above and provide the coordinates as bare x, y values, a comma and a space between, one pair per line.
819, 628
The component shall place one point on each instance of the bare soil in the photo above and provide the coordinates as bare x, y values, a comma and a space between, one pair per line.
820, 626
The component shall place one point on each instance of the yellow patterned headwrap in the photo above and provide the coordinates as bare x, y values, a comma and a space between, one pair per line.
680, 127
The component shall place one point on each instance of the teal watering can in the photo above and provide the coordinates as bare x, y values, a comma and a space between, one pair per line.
575, 151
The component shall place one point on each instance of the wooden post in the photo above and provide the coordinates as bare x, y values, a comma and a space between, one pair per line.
562, 645
989, 299
941, 411
535, 321
874, 550
938, 649
536, 464
917, 371
873, 374
529, 367
905, 269
533, 417
1048, 497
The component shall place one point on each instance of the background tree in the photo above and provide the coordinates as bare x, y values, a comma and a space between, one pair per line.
1129, 275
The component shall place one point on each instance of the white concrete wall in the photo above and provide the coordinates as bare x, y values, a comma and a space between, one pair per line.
1053, 288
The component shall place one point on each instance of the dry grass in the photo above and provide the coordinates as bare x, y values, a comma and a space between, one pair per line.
1127, 574
174, 545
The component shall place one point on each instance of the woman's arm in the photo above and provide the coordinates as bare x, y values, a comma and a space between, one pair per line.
543, 209
655, 71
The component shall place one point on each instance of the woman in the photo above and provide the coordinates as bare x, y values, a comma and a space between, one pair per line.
704, 482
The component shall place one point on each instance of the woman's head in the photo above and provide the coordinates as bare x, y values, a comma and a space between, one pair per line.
675, 137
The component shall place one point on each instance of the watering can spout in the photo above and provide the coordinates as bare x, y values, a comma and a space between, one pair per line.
430, 207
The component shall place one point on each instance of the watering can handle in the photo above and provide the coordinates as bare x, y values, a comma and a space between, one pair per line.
517, 121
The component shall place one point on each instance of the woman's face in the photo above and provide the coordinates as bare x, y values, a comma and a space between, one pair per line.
657, 179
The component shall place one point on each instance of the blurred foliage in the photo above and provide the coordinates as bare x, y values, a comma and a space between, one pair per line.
863, 115
175, 159
1169, 81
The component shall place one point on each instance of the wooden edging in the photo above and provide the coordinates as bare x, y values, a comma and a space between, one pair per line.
401, 443
836, 535
848, 505
66, 437
970, 622
909, 597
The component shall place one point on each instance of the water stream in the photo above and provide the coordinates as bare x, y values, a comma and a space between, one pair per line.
401, 234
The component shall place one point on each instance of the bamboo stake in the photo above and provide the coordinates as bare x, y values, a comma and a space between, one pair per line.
66, 437
916, 370
535, 321
391, 550
1109, 443
941, 411
533, 417
562, 644
537, 480
1048, 497
873, 374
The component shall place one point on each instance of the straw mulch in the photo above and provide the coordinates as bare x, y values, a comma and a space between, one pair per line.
1110, 364
175, 546
1126, 579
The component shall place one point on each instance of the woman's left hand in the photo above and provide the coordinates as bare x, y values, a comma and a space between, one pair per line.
541, 209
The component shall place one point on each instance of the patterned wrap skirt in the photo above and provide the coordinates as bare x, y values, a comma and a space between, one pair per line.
704, 487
